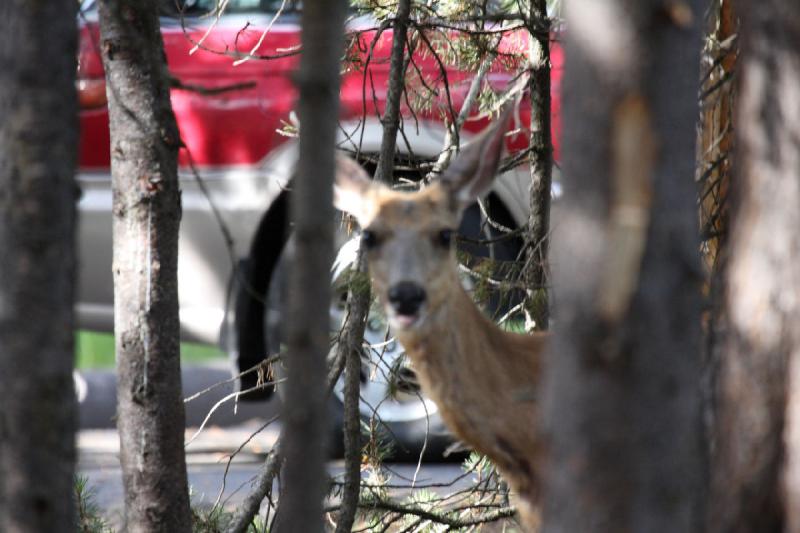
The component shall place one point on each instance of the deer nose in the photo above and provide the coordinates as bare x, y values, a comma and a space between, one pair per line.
406, 297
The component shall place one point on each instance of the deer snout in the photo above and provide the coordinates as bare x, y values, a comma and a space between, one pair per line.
406, 297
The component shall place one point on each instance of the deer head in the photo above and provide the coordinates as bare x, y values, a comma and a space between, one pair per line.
409, 237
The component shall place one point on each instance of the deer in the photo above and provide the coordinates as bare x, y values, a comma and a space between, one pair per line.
482, 378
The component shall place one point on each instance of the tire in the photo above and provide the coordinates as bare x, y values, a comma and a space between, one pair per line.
407, 420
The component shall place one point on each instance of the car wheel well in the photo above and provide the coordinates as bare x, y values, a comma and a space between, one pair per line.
251, 286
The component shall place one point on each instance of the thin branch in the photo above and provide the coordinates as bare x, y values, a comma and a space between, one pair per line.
384, 504
349, 348
263, 486
256, 46
248, 509
391, 116
452, 138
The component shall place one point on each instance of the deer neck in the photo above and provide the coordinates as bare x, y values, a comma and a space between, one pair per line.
483, 381
447, 348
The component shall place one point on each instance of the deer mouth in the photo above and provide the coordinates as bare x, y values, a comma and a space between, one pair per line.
405, 321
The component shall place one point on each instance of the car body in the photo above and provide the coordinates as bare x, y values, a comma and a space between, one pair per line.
236, 164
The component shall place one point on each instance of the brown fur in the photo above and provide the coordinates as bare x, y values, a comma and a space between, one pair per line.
483, 379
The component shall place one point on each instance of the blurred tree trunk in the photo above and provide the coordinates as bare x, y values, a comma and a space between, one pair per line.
147, 212
541, 162
621, 394
38, 144
308, 335
757, 322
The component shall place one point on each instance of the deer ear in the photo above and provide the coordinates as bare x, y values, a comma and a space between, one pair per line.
350, 187
471, 174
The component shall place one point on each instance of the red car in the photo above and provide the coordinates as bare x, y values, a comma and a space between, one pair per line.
230, 112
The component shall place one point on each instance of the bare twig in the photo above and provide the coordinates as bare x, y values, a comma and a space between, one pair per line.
252, 503
263, 365
233, 454
263, 35
227, 398
453, 136
444, 518
218, 13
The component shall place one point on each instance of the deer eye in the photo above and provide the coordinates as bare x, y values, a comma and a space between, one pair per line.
369, 239
444, 238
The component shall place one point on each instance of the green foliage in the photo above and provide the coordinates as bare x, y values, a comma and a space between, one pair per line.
210, 520
429, 501
206, 519
459, 34
378, 447
217, 520
89, 518
477, 463
353, 280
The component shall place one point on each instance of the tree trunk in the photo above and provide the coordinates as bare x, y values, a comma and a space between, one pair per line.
621, 393
38, 146
308, 335
391, 116
147, 212
359, 299
757, 327
541, 162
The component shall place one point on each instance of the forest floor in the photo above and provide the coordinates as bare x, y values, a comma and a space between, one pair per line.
207, 461
207, 454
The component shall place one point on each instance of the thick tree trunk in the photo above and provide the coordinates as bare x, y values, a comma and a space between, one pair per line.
38, 143
541, 162
308, 334
621, 391
757, 329
147, 212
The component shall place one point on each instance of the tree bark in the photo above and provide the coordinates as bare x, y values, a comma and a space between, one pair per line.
38, 147
308, 335
146, 217
351, 348
621, 394
391, 116
541, 164
757, 322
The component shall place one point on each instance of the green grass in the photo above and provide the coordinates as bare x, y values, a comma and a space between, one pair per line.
96, 350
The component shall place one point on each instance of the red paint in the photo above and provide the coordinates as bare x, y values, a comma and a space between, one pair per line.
239, 127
